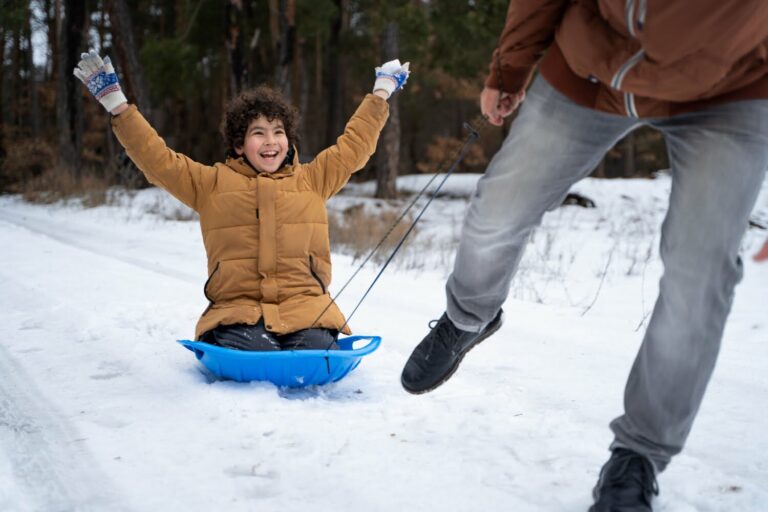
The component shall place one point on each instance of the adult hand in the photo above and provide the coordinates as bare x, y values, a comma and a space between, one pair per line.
100, 78
496, 105
391, 76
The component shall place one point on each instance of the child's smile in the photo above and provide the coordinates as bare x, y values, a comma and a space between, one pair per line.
266, 144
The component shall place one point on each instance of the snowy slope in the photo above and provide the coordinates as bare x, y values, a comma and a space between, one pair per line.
101, 410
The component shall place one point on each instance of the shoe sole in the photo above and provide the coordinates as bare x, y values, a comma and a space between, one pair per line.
455, 367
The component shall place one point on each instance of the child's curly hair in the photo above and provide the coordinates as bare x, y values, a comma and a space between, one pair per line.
252, 103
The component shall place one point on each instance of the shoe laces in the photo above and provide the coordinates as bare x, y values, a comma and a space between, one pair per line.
645, 478
441, 330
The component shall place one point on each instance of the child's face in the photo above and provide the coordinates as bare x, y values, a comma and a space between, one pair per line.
266, 144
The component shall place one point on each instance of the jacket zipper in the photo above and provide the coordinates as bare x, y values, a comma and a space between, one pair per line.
635, 24
618, 78
629, 11
312, 271
634, 27
641, 15
205, 286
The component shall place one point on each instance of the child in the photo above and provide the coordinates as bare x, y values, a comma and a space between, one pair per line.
262, 212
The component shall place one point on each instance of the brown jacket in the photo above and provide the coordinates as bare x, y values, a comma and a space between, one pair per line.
640, 58
266, 235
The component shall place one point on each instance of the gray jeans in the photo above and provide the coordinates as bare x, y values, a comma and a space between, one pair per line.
718, 158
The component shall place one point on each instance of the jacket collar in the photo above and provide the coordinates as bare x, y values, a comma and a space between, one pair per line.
243, 166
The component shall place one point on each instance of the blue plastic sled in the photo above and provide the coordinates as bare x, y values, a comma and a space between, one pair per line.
291, 368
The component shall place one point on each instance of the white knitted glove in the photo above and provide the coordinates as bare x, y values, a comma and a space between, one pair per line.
100, 78
391, 76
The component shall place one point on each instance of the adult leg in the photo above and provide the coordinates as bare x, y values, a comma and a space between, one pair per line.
552, 144
242, 337
718, 158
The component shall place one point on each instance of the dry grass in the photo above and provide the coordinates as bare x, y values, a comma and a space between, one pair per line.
171, 210
358, 229
25, 159
443, 150
56, 184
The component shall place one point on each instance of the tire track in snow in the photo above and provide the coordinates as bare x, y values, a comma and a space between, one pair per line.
82, 239
49, 468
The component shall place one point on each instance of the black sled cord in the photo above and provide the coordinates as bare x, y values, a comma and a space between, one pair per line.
471, 138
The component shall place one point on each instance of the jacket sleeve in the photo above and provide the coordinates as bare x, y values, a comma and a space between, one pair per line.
178, 174
528, 31
332, 167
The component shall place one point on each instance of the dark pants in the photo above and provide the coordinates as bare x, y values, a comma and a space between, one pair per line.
257, 337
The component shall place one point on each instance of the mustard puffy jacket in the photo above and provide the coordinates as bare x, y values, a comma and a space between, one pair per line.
266, 235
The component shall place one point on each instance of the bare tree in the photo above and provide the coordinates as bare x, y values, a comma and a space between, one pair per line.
629, 155
51, 9
123, 41
31, 87
388, 156
16, 86
286, 48
2, 90
336, 74
234, 45
68, 111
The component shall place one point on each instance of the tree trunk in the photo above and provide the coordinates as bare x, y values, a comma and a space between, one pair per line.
16, 88
274, 23
110, 151
50, 26
318, 66
629, 156
31, 88
2, 95
600, 171
302, 87
68, 110
101, 29
286, 47
336, 82
233, 42
297, 71
133, 73
388, 157
54, 29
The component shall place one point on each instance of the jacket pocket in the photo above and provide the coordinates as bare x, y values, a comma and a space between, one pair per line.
314, 274
208, 281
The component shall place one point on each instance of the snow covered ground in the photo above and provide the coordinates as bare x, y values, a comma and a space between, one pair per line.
101, 410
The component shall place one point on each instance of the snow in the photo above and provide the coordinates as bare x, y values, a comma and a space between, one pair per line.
101, 410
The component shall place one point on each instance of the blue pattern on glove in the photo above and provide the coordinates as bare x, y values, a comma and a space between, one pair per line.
101, 83
398, 78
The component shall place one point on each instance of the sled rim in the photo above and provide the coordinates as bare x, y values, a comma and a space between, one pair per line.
345, 350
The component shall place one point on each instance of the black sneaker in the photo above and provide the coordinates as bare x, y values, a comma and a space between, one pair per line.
434, 360
627, 484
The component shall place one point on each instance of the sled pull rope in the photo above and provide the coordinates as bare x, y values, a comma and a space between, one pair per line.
386, 235
399, 219
471, 138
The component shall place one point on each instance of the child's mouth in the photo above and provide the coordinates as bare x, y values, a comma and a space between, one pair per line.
269, 155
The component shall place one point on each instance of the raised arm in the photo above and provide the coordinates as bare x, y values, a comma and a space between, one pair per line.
181, 176
331, 169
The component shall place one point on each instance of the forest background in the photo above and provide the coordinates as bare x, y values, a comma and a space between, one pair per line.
180, 61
